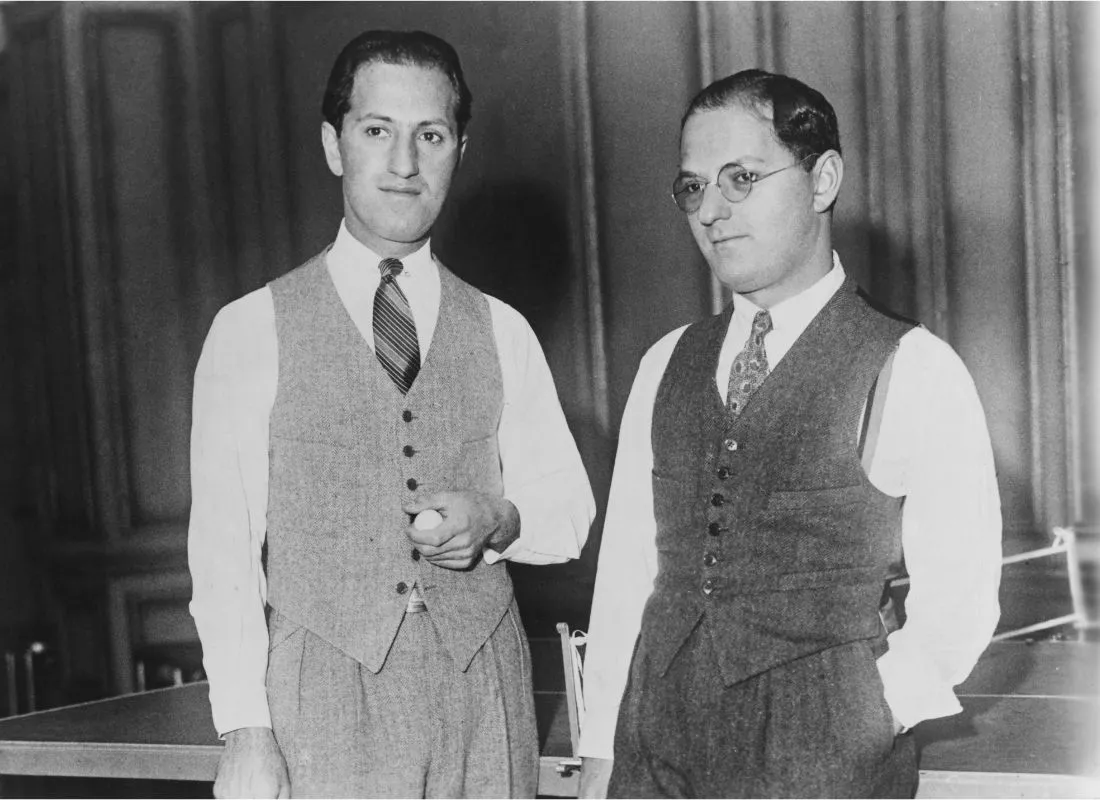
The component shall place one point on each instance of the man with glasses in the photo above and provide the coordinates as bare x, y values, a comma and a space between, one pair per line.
775, 464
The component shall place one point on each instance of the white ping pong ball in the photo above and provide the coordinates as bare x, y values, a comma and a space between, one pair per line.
427, 519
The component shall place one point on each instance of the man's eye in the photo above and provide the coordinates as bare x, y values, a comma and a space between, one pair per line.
743, 178
433, 136
692, 187
375, 131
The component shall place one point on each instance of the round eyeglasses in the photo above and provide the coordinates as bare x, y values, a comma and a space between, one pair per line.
734, 182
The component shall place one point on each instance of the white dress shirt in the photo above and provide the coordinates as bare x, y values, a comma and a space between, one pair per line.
235, 387
933, 448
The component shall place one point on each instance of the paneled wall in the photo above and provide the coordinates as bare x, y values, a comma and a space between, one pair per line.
166, 159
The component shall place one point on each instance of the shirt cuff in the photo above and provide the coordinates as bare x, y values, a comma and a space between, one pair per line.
239, 707
912, 692
597, 739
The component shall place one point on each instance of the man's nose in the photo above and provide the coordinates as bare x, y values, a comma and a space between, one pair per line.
714, 206
404, 157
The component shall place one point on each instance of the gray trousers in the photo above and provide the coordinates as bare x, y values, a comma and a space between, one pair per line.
814, 727
418, 728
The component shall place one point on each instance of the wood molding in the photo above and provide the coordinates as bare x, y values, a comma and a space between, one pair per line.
704, 23
1048, 242
581, 137
122, 594
1068, 261
924, 59
56, 396
768, 56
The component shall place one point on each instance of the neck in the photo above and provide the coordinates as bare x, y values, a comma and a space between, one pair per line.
385, 248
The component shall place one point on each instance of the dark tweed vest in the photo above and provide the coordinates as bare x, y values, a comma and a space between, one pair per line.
347, 450
767, 527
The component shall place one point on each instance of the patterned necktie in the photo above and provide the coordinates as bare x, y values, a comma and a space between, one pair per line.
750, 367
394, 330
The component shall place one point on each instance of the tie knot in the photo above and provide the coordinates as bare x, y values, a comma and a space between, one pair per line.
762, 322
390, 268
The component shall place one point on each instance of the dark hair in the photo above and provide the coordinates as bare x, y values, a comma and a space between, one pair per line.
803, 120
408, 48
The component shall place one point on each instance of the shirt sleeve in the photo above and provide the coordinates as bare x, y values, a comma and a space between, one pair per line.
235, 385
542, 471
628, 560
934, 439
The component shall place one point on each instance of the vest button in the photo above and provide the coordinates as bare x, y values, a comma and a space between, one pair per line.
407, 415
402, 587
412, 484
408, 450
730, 445
723, 473
714, 529
415, 554
717, 500
710, 559
709, 585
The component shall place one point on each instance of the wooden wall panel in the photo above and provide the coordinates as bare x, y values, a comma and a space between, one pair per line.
1084, 45
1043, 40
821, 44
56, 398
137, 62
987, 277
644, 70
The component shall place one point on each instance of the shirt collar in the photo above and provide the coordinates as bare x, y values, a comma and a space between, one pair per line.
347, 251
795, 313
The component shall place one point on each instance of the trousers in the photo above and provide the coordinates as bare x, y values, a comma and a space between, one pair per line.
818, 726
418, 728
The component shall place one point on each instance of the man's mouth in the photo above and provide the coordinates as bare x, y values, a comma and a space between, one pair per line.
407, 190
717, 240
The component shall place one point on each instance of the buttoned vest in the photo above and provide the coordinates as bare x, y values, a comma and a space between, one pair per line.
347, 450
769, 533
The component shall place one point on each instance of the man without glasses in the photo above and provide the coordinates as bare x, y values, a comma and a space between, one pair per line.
366, 387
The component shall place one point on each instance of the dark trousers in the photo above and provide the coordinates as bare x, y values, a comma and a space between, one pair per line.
419, 728
814, 727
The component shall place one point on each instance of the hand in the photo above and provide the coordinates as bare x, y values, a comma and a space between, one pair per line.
472, 521
252, 766
595, 775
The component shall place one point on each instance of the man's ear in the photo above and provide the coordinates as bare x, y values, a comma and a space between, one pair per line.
828, 175
330, 140
461, 149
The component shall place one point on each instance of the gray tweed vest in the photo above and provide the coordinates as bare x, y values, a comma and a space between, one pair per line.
769, 533
347, 450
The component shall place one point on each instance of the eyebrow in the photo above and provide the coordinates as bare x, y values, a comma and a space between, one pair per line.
738, 161
383, 118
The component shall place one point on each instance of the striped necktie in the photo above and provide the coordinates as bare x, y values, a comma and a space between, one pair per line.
750, 367
394, 330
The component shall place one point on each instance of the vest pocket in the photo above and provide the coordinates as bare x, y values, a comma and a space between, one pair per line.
815, 498
477, 465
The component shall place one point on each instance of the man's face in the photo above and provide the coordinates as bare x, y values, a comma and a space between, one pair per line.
763, 246
397, 154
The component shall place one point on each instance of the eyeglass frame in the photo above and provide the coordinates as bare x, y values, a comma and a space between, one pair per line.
748, 191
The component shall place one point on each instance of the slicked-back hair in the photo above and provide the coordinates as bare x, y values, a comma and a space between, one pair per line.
405, 48
802, 119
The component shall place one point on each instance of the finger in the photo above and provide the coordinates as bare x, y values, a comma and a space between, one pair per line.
458, 554
434, 537
422, 502
457, 545
454, 563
